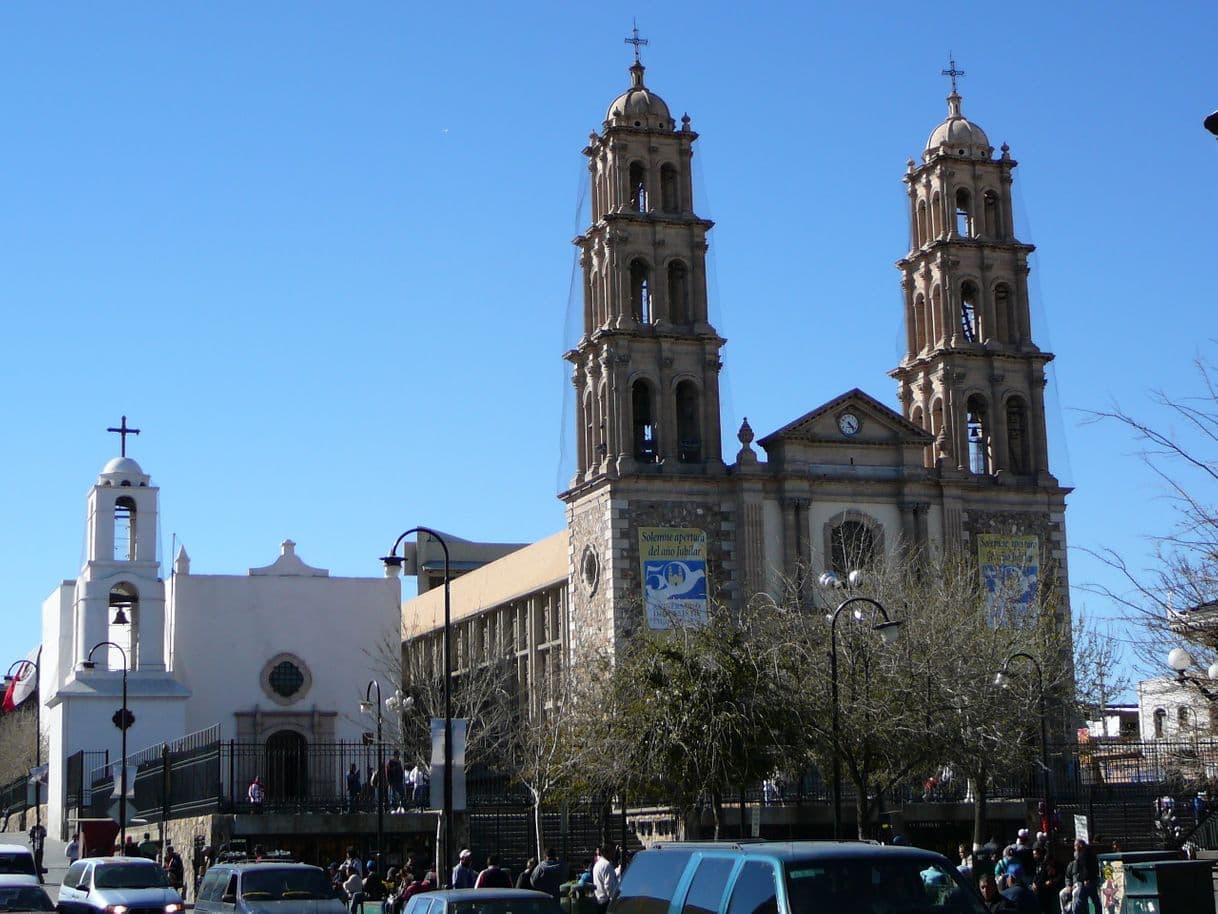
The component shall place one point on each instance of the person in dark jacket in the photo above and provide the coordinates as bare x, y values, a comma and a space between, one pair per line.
547, 876
525, 879
1087, 876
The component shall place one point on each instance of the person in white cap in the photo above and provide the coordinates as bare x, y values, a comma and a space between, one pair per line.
464, 876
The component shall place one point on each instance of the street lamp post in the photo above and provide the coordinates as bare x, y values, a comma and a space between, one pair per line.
393, 567
88, 664
889, 630
366, 706
20, 665
1179, 659
1002, 678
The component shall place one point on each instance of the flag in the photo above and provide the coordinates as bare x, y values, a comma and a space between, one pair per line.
25, 681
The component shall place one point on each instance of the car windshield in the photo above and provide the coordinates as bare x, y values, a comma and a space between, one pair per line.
129, 876
17, 864
274, 884
506, 906
879, 886
24, 898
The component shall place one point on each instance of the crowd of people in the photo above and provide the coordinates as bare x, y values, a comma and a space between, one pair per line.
1024, 878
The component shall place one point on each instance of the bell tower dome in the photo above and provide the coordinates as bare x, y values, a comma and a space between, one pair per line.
971, 375
646, 368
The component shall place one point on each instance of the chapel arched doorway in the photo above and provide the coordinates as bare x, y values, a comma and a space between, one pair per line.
287, 766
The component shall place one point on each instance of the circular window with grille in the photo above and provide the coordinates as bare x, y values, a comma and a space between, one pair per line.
286, 679
590, 569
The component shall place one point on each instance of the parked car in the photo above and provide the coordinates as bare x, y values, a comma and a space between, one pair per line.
797, 877
24, 898
482, 901
266, 888
106, 884
17, 865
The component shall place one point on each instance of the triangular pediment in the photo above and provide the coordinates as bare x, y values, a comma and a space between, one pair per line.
833, 422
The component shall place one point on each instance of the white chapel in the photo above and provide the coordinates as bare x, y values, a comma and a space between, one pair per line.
265, 656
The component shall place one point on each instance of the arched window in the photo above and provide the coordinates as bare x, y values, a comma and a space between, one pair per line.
1186, 719
1160, 717
123, 624
1004, 314
638, 187
936, 216
1017, 436
287, 766
978, 436
590, 455
968, 312
936, 316
990, 204
640, 291
964, 213
678, 293
923, 228
689, 424
936, 426
124, 529
643, 422
852, 547
920, 334
668, 189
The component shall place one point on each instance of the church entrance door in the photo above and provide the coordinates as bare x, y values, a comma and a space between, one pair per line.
287, 766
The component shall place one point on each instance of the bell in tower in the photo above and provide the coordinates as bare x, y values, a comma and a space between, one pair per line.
646, 368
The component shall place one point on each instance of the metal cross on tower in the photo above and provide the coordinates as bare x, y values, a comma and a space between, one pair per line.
952, 71
636, 41
123, 431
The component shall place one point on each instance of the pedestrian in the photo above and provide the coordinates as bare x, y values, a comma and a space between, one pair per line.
547, 876
1022, 898
353, 788
464, 876
38, 838
148, 848
525, 879
71, 853
175, 871
373, 887
1087, 875
493, 877
395, 774
256, 795
421, 781
604, 880
353, 885
994, 902
353, 862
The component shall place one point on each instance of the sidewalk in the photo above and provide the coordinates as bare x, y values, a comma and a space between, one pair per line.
53, 859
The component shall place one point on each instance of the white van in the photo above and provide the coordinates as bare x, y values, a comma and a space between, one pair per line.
17, 865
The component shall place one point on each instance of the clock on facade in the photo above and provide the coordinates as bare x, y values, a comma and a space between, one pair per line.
848, 423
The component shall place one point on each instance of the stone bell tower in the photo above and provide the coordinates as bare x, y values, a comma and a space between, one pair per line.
971, 375
646, 367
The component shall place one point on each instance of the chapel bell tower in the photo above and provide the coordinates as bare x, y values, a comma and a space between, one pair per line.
971, 374
646, 368
119, 595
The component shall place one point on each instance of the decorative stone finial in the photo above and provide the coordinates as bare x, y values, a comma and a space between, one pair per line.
685, 123
1006, 151
746, 456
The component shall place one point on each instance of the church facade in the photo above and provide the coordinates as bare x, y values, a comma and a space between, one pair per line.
277, 658
659, 522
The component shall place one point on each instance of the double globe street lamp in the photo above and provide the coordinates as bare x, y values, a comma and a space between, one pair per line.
888, 629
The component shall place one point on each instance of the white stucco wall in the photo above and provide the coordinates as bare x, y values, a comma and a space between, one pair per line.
227, 627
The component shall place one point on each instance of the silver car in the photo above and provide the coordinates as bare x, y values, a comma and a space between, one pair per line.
266, 888
117, 885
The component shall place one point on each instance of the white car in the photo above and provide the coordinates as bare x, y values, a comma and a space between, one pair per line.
117, 885
17, 865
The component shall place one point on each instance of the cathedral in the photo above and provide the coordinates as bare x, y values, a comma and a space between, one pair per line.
660, 522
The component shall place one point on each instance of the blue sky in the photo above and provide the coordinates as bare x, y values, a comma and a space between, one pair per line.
320, 253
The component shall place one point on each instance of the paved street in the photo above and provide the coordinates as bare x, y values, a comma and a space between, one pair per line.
53, 858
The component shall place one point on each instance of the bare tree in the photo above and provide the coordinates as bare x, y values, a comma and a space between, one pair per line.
1177, 594
17, 749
